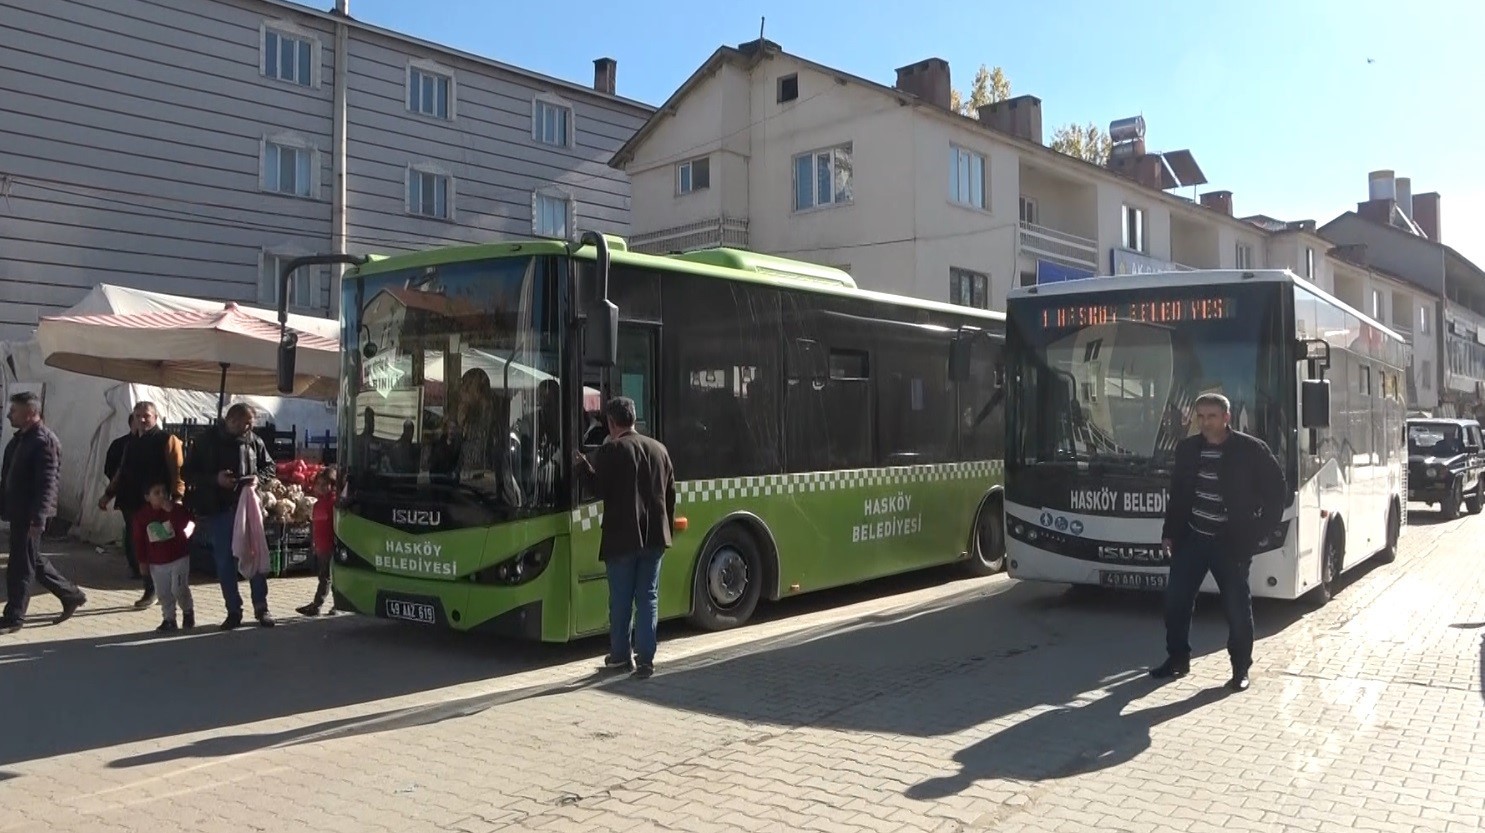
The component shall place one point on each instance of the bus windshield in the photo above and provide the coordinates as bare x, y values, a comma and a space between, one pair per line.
1109, 378
452, 396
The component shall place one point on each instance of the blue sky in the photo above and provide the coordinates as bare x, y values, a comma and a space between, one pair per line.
1276, 99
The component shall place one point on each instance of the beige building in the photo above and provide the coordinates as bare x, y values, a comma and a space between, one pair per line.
764, 150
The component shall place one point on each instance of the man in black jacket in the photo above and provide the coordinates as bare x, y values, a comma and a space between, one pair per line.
28, 499
1226, 496
633, 476
219, 461
151, 455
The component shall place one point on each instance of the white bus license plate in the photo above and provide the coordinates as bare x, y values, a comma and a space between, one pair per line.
1131, 581
411, 611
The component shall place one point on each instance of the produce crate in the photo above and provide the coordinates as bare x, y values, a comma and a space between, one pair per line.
292, 546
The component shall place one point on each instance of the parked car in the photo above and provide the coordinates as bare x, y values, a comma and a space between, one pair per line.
1446, 459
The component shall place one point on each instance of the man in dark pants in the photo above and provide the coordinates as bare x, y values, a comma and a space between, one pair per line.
1226, 495
151, 456
28, 499
112, 461
633, 476
219, 460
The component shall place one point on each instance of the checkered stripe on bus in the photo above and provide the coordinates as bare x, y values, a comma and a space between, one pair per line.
732, 488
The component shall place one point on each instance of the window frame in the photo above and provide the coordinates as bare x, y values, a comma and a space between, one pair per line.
545, 101
570, 213
687, 170
1025, 202
289, 141
423, 66
958, 153
957, 274
422, 169
848, 149
1141, 228
283, 28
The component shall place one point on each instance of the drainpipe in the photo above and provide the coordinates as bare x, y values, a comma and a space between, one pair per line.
338, 163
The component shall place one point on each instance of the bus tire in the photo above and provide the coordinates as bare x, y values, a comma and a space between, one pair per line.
1330, 569
987, 538
728, 580
1394, 533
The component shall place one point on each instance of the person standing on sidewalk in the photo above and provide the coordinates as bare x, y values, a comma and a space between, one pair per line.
112, 460
322, 535
1226, 496
633, 476
152, 456
222, 462
28, 499
161, 533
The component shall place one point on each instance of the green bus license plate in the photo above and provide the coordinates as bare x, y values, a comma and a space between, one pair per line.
411, 611
1124, 580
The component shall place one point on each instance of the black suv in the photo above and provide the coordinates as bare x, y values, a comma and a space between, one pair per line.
1445, 461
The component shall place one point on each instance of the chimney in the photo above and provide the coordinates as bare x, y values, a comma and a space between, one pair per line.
605, 75
1426, 214
1377, 210
343, 8
1020, 116
1218, 201
928, 80
1149, 171
1381, 186
1404, 188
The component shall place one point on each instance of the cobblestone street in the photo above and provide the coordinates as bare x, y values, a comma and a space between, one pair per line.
924, 703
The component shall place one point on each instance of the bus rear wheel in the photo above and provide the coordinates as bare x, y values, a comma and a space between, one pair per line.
728, 581
987, 540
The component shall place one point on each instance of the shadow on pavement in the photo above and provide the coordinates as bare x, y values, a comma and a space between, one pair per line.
999, 659
135, 687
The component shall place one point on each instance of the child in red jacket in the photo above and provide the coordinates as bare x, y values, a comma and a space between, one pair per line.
162, 531
322, 532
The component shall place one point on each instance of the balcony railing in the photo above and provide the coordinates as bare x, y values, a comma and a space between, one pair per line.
1059, 245
731, 232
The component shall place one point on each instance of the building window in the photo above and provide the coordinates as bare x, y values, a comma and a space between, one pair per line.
966, 177
970, 289
304, 286
430, 92
1309, 263
288, 167
822, 178
429, 192
1244, 258
693, 175
1134, 229
788, 88
551, 123
1425, 323
288, 55
551, 214
1030, 213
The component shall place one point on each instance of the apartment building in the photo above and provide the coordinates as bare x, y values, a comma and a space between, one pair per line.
766, 150
1398, 233
189, 146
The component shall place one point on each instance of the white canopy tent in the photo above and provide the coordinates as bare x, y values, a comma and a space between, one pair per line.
88, 412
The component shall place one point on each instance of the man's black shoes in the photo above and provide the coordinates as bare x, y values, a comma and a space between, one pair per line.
1171, 669
1239, 681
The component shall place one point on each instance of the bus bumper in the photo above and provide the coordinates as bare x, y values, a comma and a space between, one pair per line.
523, 612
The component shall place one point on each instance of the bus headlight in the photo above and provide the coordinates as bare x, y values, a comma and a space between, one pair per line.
519, 569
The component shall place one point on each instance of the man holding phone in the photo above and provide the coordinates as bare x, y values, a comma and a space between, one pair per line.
225, 460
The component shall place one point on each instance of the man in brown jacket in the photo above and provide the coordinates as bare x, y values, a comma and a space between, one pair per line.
633, 476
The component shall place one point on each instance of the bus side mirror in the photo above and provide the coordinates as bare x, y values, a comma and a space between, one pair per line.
1315, 403
288, 345
602, 338
959, 350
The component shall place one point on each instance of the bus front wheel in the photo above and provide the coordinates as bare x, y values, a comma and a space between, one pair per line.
728, 580
987, 540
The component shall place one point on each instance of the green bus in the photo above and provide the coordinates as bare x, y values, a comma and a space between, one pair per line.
822, 435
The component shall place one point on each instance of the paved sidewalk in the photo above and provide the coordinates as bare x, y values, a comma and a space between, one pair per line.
912, 705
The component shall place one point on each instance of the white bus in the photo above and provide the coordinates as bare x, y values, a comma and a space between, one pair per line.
1102, 374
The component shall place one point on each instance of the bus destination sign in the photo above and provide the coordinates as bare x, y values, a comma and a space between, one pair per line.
1153, 311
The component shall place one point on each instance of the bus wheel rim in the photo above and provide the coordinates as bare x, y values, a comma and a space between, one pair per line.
985, 535
727, 576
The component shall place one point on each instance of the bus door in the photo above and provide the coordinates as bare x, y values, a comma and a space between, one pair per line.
636, 375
